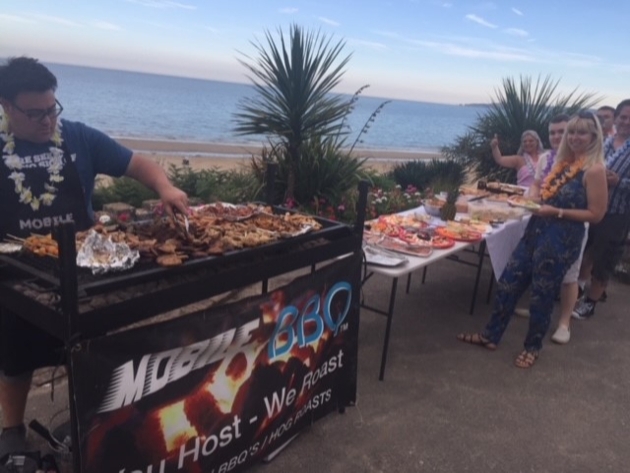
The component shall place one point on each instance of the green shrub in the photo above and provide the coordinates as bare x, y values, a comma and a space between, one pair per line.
207, 185
323, 171
123, 189
435, 174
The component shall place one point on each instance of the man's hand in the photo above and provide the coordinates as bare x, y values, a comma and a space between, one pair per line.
174, 199
612, 178
149, 173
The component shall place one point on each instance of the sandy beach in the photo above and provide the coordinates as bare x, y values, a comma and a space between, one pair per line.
227, 156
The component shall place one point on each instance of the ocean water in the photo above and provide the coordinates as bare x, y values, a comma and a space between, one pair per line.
138, 105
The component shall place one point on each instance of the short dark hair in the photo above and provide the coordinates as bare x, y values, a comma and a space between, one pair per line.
622, 104
24, 74
606, 108
562, 117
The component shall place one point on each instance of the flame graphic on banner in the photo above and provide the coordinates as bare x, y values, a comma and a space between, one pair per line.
229, 389
175, 426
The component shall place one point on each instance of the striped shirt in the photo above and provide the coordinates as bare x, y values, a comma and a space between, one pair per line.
618, 161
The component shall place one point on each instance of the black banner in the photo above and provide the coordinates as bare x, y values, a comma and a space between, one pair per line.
217, 390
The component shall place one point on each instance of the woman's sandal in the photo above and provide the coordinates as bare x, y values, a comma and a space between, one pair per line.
526, 359
476, 339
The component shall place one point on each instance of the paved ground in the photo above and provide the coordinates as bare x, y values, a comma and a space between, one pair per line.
449, 407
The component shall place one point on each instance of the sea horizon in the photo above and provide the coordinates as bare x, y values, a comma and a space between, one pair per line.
169, 108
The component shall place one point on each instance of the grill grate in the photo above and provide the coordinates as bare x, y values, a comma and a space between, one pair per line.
46, 269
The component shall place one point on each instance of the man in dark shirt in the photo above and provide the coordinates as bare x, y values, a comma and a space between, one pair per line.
47, 176
606, 239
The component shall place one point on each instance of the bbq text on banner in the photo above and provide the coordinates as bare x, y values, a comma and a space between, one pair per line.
219, 389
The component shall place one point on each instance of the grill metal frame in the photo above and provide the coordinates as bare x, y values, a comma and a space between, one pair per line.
221, 274
202, 278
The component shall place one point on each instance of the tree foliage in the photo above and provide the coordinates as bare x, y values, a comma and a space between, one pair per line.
293, 78
518, 106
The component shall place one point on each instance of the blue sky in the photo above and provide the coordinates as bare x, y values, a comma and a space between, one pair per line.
431, 50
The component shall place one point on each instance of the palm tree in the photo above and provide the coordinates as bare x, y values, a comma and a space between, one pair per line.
526, 105
294, 79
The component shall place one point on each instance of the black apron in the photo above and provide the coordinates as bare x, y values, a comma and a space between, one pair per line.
24, 347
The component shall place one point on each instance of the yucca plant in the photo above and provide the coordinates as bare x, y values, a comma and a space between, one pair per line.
518, 106
324, 170
293, 78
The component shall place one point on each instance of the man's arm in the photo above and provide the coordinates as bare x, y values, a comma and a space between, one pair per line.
149, 173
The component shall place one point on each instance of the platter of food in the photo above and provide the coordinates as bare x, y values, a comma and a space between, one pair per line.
433, 206
523, 203
463, 233
387, 224
502, 188
441, 243
422, 249
472, 193
381, 257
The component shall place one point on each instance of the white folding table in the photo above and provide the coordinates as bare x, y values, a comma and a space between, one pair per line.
509, 231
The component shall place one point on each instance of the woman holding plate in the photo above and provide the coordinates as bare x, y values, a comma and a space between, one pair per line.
574, 192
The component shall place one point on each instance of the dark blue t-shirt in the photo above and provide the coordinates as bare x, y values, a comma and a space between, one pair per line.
92, 151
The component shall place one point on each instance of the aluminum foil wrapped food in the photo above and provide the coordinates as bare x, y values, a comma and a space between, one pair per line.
100, 254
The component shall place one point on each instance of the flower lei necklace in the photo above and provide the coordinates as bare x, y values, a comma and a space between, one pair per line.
561, 173
14, 163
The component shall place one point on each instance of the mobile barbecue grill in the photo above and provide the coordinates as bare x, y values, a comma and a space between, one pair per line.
74, 305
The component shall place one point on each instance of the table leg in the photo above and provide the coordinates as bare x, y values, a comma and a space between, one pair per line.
490, 286
408, 283
481, 253
390, 316
265, 286
424, 274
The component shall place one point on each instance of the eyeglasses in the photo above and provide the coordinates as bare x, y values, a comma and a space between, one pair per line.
36, 115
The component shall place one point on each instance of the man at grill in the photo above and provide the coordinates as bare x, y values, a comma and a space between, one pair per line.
47, 177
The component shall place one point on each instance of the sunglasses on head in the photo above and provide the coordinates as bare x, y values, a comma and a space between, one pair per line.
588, 115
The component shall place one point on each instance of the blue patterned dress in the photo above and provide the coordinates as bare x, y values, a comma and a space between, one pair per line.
543, 256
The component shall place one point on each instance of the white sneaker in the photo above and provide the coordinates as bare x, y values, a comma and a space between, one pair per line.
562, 335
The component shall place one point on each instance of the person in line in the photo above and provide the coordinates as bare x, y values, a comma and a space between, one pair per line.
569, 289
557, 125
574, 192
606, 240
606, 115
47, 175
525, 159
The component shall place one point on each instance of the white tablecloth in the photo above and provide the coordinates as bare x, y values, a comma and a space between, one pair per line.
502, 242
